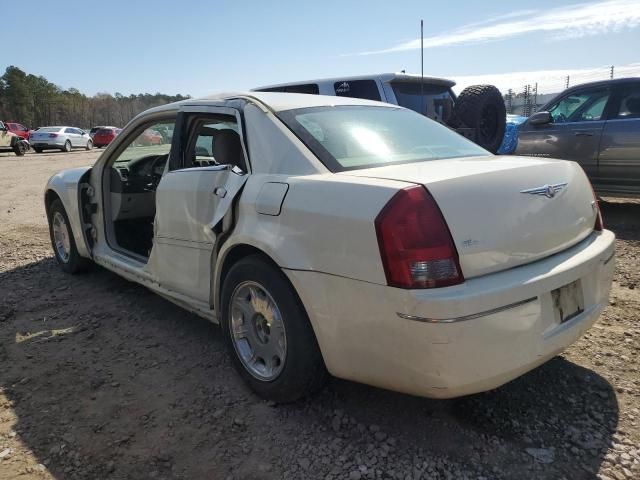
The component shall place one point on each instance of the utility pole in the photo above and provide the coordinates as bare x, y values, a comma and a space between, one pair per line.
422, 105
535, 99
567, 82
611, 76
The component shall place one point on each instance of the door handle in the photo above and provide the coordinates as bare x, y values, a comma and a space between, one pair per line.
583, 134
220, 192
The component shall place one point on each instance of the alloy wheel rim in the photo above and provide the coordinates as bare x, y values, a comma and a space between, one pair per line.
257, 331
61, 237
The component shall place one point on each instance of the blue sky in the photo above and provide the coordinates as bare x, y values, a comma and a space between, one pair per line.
199, 47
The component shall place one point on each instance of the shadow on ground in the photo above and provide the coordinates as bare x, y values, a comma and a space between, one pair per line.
108, 380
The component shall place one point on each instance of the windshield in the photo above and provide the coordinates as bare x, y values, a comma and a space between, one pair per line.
355, 137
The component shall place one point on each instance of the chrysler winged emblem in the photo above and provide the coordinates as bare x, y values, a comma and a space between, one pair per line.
548, 191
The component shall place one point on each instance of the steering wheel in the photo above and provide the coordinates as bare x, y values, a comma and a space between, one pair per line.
156, 170
560, 118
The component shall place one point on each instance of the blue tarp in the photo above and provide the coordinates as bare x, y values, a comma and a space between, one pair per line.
510, 140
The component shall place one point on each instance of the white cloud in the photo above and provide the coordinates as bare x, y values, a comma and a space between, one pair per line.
578, 20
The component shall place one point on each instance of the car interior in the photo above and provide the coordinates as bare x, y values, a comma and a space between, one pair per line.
137, 171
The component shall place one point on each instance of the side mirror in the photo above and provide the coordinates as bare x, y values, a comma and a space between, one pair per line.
540, 118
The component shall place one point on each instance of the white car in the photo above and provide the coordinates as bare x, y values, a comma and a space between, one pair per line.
60, 138
344, 235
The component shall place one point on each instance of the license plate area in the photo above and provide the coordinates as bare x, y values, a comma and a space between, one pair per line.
568, 301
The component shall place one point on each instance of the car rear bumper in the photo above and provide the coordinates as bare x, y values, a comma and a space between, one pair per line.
53, 143
457, 340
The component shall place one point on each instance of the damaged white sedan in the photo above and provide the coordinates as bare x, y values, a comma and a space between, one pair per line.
329, 234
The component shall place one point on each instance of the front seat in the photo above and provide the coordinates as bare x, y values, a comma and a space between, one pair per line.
227, 149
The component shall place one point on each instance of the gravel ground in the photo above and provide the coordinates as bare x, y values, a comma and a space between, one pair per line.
99, 378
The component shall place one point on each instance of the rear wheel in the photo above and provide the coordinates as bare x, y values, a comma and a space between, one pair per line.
67, 146
89, 145
38, 150
268, 333
62, 241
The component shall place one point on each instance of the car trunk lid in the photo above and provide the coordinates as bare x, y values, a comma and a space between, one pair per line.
503, 211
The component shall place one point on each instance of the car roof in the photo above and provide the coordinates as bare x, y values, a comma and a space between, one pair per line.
383, 77
615, 81
275, 101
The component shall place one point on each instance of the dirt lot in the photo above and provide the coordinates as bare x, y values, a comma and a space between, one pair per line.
100, 378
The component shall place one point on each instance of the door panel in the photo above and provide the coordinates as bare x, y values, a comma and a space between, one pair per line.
190, 203
619, 160
577, 141
575, 131
619, 163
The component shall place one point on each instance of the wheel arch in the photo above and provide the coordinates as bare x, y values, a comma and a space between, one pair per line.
230, 256
64, 186
50, 195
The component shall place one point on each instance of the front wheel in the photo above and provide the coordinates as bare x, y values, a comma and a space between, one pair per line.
62, 241
67, 147
20, 148
268, 332
89, 145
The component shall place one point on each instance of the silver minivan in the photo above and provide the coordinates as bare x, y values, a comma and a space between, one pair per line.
595, 124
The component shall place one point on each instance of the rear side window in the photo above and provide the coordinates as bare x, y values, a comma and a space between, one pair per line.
629, 104
367, 89
309, 88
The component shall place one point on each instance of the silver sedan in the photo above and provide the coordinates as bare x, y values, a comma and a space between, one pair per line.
60, 138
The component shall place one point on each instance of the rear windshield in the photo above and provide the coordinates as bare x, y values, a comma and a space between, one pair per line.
104, 131
49, 129
433, 101
356, 137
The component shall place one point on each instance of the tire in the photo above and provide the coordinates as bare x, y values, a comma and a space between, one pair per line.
89, 145
38, 150
70, 260
481, 107
67, 147
301, 372
20, 149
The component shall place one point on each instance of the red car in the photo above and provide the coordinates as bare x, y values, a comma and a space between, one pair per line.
18, 129
105, 136
150, 137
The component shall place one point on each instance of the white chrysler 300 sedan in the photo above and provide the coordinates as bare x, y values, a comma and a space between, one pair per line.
343, 235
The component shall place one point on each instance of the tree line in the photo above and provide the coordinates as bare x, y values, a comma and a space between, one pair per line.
35, 102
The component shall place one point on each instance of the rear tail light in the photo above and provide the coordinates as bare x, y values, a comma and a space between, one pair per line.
599, 225
415, 243
53, 135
